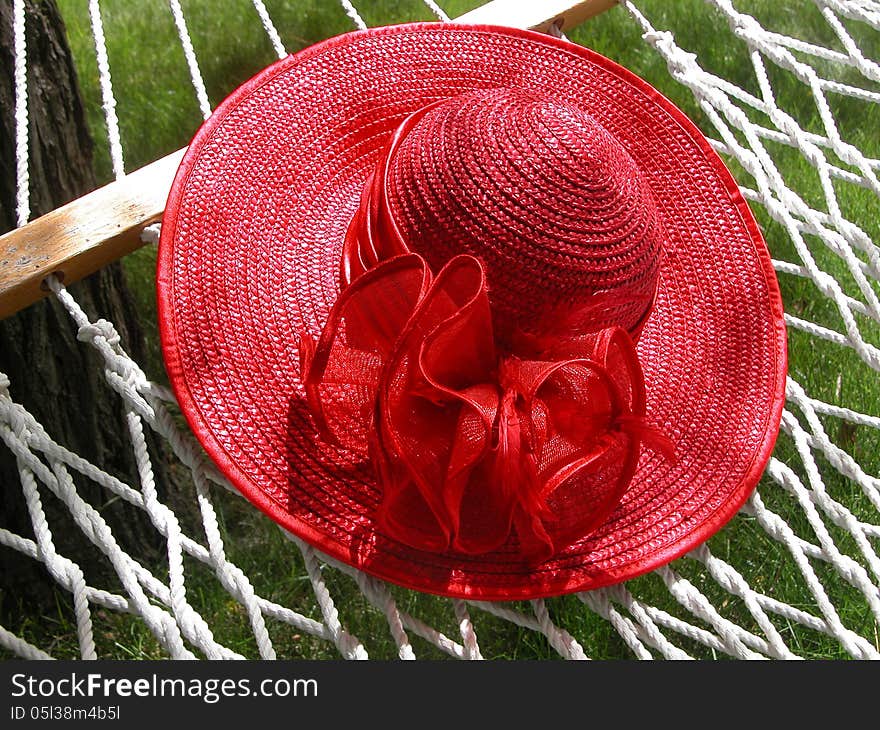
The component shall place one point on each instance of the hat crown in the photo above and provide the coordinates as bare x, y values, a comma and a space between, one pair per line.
544, 195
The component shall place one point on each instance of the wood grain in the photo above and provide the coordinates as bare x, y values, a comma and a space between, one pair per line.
538, 15
83, 236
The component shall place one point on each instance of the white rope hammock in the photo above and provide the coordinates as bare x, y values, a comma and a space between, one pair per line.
701, 605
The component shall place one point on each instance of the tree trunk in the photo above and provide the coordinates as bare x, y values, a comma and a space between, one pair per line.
58, 379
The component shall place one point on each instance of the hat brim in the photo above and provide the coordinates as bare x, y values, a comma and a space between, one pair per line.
249, 257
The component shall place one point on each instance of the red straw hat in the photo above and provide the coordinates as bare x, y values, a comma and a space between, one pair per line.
472, 309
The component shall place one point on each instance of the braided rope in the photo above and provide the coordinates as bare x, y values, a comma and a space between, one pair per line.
270, 28
436, 9
681, 611
189, 52
109, 100
352, 13
22, 181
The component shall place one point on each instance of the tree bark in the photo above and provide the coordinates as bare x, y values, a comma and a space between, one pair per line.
58, 379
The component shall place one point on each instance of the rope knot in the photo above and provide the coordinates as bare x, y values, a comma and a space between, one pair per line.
100, 328
746, 27
20, 424
676, 58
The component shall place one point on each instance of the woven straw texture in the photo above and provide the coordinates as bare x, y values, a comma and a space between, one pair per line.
795, 575
552, 204
250, 256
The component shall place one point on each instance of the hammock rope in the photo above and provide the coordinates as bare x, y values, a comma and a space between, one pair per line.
22, 181
109, 100
680, 611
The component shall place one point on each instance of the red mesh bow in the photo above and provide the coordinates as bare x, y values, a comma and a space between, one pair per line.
472, 437
470, 444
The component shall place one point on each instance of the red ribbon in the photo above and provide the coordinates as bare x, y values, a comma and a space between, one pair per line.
471, 441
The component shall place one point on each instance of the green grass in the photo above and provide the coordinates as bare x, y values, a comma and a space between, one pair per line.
158, 113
